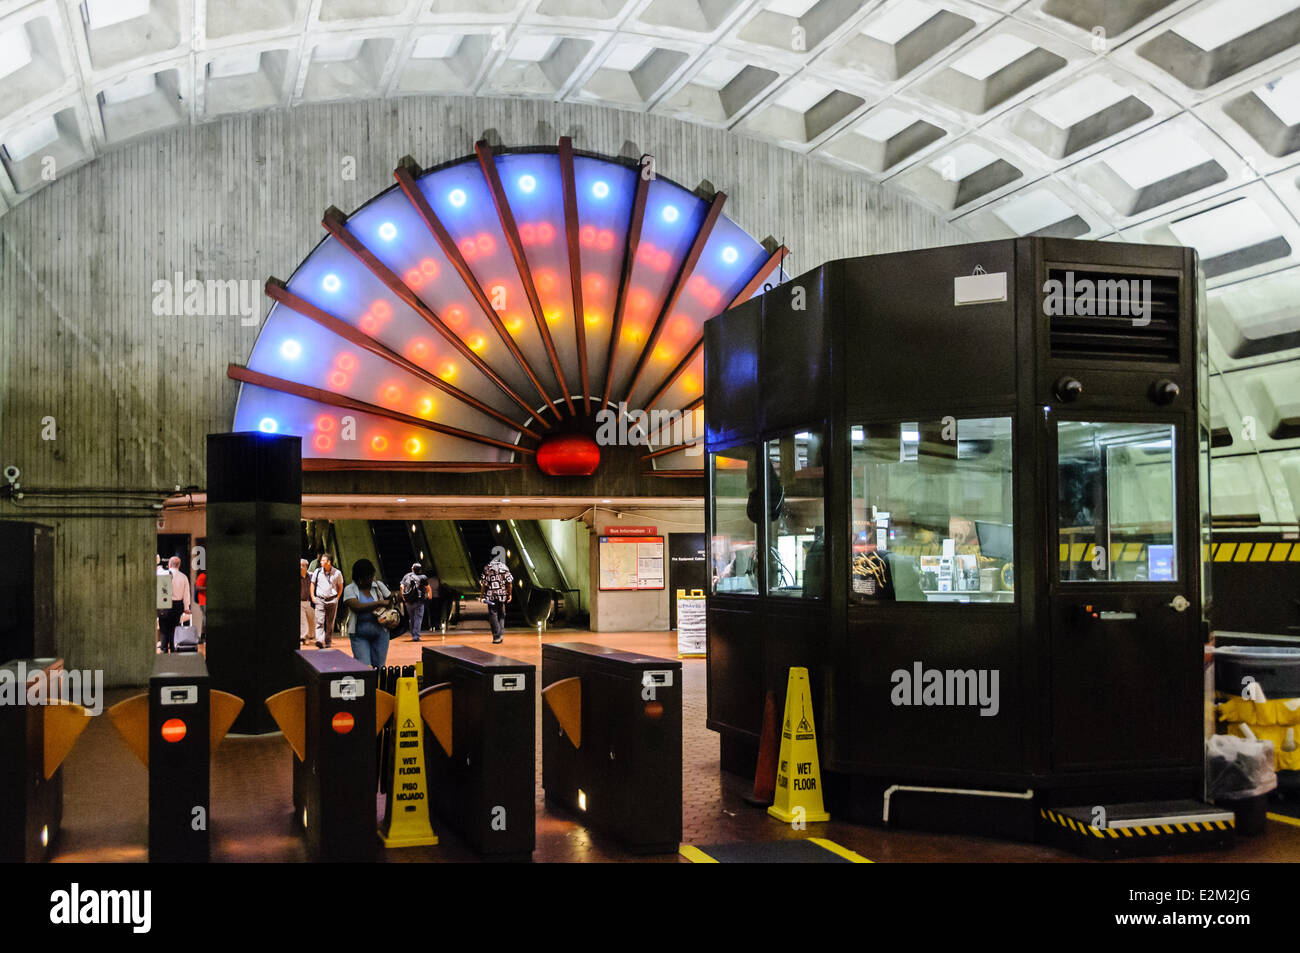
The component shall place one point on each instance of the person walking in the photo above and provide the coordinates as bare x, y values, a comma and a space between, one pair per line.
365, 596
180, 611
326, 590
414, 586
496, 589
306, 614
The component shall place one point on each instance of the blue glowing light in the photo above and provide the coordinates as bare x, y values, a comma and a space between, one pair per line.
290, 350
331, 283
729, 255
527, 183
456, 197
268, 425
600, 189
388, 231
669, 213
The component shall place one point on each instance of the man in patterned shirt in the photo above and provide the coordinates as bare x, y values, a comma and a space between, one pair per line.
496, 588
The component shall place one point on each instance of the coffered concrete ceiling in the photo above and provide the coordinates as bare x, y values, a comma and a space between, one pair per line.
1172, 121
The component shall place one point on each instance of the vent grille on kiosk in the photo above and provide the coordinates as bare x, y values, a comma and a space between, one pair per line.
1112, 316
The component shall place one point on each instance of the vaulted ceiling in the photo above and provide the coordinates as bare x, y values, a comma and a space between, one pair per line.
1170, 121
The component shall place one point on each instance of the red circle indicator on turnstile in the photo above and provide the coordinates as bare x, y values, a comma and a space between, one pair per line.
342, 722
173, 730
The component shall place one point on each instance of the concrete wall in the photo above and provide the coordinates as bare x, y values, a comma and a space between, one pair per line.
641, 611
133, 393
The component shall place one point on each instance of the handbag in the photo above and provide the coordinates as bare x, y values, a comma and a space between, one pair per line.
389, 618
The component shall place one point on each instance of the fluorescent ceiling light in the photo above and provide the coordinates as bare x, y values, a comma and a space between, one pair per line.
899, 21
1154, 158
884, 124
995, 53
235, 64
102, 13
790, 8
1228, 20
337, 50
533, 49
15, 50
436, 46
1081, 99
803, 96
133, 87
28, 141
628, 56
718, 73
1033, 211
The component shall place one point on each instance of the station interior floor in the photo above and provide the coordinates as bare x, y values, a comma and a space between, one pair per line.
106, 793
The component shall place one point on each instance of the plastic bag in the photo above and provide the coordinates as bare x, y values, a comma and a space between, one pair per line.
1238, 768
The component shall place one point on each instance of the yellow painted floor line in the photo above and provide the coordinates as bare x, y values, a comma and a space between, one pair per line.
844, 852
1283, 819
695, 855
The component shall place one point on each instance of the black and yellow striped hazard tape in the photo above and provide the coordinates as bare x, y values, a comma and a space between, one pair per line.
1270, 552
1148, 830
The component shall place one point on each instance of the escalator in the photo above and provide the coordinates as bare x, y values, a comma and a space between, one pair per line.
539, 587
395, 549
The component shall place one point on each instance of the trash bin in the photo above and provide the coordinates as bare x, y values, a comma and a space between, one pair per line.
1262, 689
1239, 775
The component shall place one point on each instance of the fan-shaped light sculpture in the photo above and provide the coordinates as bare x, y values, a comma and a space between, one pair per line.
475, 312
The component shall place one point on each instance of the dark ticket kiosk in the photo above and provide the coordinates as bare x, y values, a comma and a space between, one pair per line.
961, 487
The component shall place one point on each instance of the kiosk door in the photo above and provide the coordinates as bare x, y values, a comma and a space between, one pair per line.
1125, 634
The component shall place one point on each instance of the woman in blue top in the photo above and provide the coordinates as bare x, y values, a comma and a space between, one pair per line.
364, 597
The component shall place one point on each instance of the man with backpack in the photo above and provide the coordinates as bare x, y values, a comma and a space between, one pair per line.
496, 589
414, 588
326, 589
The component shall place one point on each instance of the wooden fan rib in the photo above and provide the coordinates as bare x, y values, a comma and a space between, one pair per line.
506, 216
277, 291
335, 223
406, 180
307, 392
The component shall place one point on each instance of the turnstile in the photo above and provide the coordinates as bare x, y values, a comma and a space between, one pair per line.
612, 741
485, 787
34, 739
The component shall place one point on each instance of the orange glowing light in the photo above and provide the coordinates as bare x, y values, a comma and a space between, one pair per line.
413, 446
553, 315
173, 730
663, 260
632, 334
414, 279
345, 362
662, 353
476, 342
419, 349
587, 235
381, 309
514, 325
368, 322
338, 379
594, 284
448, 372
593, 318
467, 248
545, 280
527, 233
392, 393
605, 239
691, 383
324, 423
379, 443
429, 267
455, 316
545, 232
681, 327
324, 442
426, 406
485, 244
639, 301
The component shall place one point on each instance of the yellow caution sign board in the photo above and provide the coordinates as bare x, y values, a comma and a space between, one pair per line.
692, 624
406, 815
798, 775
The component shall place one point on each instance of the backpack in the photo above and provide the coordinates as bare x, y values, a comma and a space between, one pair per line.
411, 587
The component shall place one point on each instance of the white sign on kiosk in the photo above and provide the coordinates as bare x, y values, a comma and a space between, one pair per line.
691, 624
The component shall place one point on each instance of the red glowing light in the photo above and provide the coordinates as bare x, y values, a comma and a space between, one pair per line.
324, 423
545, 233
338, 379
392, 393
455, 316
324, 442
381, 309
568, 455
368, 322
173, 730
527, 234
345, 362
429, 267
414, 279
587, 235
593, 284
419, 349
605, 240
485, 244
342, 722
467, 248
663, 260
681, 327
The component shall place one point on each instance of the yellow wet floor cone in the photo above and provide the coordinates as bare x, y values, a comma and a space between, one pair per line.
798, 775
406, 815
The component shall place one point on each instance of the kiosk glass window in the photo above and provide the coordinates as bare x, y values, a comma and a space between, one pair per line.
733, 551
796, 515
933, 513
1116, 502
